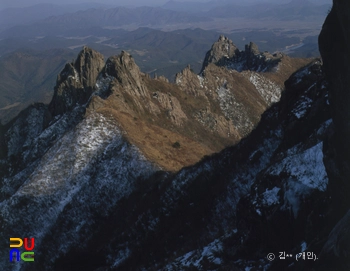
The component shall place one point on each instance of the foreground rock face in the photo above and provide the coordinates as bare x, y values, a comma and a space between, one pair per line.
334, 43
334, 47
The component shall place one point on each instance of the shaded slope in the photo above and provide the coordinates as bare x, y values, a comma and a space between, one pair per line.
222, 212
72, 162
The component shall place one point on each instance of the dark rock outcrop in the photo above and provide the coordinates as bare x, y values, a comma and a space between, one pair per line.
256, 60
334, 44
336, 251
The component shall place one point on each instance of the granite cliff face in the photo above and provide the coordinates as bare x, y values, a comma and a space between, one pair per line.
334, 44
127, 73
220, 52
77, 81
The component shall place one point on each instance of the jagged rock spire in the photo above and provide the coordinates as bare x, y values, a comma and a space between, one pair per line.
221, 50
127, 73
225, 53
252, 48
77, 81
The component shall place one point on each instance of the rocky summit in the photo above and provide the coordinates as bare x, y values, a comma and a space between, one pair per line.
219, 171
77, 81
225, 53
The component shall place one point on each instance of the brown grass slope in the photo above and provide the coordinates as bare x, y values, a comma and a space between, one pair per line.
175, 125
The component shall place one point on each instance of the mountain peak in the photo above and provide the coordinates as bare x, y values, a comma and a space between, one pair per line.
225, 53
127, 73
77, 81
89, 64
221, 50
252, 48
223, 38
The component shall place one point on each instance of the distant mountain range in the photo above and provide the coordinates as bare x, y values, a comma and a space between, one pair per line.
49, 19
22, 15
94, 17
248, 8
124, 16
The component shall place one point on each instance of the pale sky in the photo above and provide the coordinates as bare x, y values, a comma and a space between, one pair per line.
20, 3
23, 3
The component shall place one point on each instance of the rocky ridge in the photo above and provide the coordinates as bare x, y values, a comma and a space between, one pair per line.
245, 83
225, 53
95, 173
77, 81
237, 204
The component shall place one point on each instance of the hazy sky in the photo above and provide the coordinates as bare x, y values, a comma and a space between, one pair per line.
22, 3
19, 3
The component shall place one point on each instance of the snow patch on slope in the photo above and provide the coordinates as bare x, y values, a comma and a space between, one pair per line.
69, 156
102, 85
24, 131
307, 172
301, 74
242, 179
271, 197
89, 168
236, 65
270, 92
195, 258
302, 107
234, 110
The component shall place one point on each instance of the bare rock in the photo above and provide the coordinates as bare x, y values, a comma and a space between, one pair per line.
127, 74
172, 106
334, 44
189, 81
220, 52
77, 81
225, 53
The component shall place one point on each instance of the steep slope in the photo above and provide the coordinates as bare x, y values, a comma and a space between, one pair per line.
53, 153
199, 118
209, 215
91, 176
334, 47
246, 82
231, 209
76, 82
